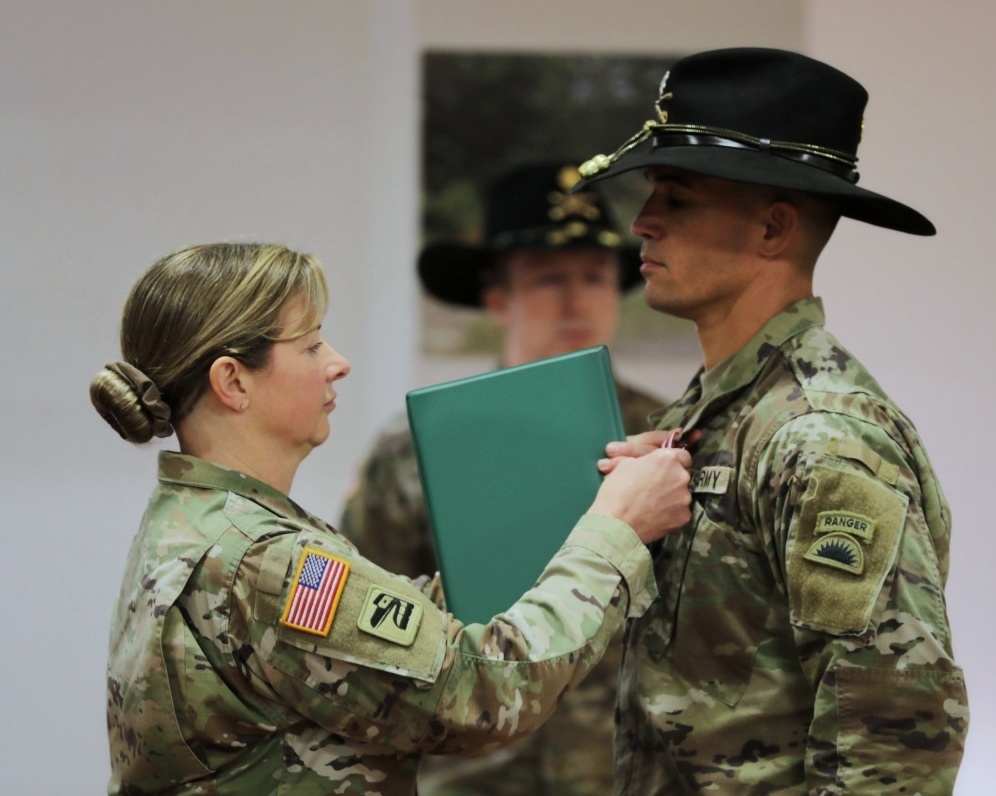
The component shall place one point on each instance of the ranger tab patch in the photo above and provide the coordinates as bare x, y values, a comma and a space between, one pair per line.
390, 616
315, 594
845, 522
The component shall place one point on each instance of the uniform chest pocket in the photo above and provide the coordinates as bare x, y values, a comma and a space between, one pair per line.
723, 603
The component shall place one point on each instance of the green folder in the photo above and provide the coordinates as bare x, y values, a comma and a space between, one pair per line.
508, 465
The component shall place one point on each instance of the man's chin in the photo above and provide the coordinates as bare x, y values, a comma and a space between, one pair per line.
663, 305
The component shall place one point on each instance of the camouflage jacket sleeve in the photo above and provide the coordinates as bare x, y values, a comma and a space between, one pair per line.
859, 539
384, 514
395, 672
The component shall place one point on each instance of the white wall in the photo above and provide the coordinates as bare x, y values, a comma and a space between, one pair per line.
130, 128
919, 312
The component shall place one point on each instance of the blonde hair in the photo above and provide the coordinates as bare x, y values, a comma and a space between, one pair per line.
189, 308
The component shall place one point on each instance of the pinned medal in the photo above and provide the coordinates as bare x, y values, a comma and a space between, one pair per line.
673, 440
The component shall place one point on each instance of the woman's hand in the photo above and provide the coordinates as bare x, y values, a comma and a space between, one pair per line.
637, 445
649, 492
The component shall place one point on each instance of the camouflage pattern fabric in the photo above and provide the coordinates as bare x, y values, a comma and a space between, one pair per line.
571, 755
801, 643
217, 685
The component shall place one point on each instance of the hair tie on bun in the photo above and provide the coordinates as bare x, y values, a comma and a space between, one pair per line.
148, 396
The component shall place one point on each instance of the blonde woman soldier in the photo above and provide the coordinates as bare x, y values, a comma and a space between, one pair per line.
253, 650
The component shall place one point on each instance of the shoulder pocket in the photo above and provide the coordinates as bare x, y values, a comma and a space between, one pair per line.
899, 728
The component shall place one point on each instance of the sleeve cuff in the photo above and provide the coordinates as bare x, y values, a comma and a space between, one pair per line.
617, 543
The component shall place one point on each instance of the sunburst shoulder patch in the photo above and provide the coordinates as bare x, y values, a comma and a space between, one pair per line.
839, 551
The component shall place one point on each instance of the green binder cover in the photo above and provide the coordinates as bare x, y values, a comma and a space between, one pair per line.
508, 465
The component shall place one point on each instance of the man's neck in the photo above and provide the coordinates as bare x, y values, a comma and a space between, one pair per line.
727, 330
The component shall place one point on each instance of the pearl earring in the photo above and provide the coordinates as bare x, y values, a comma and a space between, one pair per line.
242, 406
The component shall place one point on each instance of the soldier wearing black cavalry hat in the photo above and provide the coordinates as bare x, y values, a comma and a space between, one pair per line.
801, 643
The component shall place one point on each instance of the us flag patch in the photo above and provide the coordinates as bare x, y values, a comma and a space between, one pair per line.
315, 593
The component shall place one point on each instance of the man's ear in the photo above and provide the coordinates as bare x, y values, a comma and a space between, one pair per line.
229, 382
781, 226
495, 301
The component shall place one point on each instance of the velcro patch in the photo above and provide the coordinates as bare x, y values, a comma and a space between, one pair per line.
390, 616
713, 480
315, 594
844, 545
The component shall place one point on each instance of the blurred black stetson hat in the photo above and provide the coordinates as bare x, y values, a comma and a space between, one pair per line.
529, 207
761, 116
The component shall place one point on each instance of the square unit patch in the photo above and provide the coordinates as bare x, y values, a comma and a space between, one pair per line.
390, 616
315, 593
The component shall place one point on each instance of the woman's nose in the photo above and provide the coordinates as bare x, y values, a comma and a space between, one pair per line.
339, 367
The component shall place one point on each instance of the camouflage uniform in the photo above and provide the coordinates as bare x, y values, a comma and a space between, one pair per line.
571, 755
801, 643
210, 691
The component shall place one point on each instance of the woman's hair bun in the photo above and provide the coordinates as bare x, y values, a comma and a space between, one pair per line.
130, 403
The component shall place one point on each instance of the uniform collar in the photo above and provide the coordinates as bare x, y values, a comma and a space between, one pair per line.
742, 367
729, 377
182, 470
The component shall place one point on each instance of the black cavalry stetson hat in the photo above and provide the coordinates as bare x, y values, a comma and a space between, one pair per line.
530, 207
761, 116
